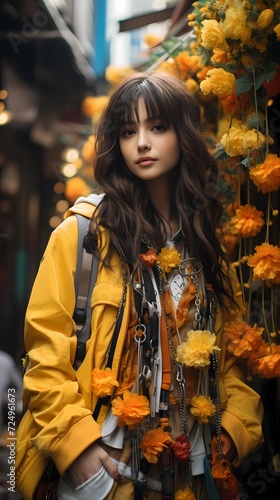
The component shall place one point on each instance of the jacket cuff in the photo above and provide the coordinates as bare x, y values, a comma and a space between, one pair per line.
239, 435
79, 437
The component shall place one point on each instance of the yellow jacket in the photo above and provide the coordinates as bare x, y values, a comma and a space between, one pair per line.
58, 422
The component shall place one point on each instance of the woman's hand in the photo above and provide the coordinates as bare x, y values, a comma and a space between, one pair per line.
228, 447
89, 463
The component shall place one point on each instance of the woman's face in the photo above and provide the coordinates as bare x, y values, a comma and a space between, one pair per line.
149, 146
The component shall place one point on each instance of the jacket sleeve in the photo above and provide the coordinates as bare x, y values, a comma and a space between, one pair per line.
242, 409
63, 425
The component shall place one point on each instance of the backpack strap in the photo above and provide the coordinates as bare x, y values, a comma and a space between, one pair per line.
84, 281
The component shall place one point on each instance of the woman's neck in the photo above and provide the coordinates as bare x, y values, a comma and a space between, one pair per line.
160, 192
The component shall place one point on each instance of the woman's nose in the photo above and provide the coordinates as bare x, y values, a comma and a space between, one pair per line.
143, 141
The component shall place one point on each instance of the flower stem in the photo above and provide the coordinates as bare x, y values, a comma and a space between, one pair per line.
264, 315
268, 217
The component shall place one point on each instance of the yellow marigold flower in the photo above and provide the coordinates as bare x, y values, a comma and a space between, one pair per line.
151, 40
192, 85
266, 175
276, 30
235, 24
218, 81
266, 263
116, 74
247, 221
168, 258
202, 408
186, 494
197, 349
237, 141
264, 19
88, 149
103, 382
254, 139
242, 339
153, 443
212, 36
131, 409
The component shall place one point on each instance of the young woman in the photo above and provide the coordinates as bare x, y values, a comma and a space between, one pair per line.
157, 397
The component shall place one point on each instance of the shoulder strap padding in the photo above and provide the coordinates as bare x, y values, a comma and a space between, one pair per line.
84, 281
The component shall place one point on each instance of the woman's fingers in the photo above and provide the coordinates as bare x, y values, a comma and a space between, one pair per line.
110, 466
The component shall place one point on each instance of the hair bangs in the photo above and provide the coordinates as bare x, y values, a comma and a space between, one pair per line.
154, 100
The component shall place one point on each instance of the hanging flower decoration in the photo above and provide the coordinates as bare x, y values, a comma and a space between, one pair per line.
242, 339
266, 175
153, 442
202, 408
266, 263
265, 361
168, 259
218, 81
186, 494
197, 349
131, 409
248, 221
181, 448
103, 382
222, 474
149, 258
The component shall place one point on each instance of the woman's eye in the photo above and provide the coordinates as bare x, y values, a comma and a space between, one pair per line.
127, 133
159, 128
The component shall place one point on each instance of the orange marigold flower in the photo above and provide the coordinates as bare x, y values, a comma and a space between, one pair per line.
266, 362
202, 408
93, 106
88, 149
103, 382
266, 175
266, 263
187, 64
181, 448
153, 443
186, 494
247, 221
131, 409
242, 339
149, 258
168, 258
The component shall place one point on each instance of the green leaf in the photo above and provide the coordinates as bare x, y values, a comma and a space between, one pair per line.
264, 77
244, 84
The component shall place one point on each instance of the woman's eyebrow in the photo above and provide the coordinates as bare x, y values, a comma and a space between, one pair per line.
147, 120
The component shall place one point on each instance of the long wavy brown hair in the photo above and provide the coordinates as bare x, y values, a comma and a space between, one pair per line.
126, 210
